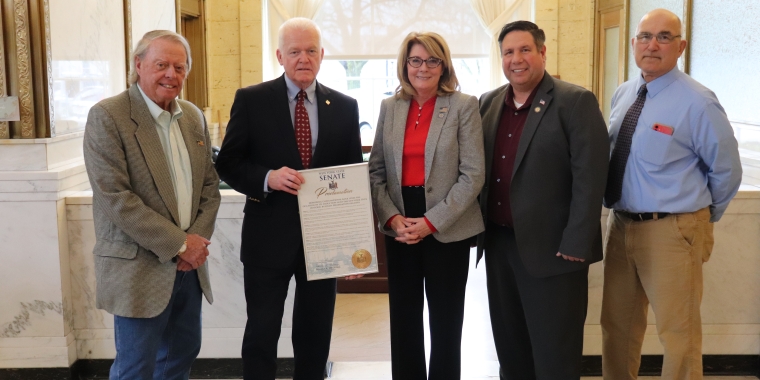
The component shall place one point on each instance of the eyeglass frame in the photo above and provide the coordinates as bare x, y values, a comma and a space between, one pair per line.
427, 62
662, 37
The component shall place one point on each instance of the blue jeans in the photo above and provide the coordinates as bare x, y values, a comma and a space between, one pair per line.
163, 347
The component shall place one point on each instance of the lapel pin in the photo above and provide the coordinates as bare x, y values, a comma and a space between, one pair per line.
440, 115
444, 109
542, 102
537, 109
200, 143
327, 102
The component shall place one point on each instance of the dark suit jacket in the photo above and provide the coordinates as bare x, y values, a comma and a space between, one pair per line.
558, 179
260, 137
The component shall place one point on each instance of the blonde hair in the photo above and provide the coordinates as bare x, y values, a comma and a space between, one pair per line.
436, 46
144, 44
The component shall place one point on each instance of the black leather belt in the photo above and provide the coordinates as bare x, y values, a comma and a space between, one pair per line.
642, 216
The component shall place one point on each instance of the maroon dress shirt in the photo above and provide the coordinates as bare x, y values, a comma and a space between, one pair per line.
504, 153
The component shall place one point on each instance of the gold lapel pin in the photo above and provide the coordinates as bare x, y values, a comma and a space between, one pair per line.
327, 102
201, 143
537, 109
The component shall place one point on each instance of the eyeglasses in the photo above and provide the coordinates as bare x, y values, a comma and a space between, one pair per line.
431, 62
662, 38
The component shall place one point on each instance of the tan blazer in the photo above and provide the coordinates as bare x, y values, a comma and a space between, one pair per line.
134, 207
454, 166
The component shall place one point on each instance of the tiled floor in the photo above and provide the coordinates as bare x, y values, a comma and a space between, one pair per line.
360, 348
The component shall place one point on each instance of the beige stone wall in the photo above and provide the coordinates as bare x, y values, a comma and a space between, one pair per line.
569, 28
234, 36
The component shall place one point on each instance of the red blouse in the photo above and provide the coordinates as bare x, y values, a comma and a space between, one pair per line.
413, 158
417, 127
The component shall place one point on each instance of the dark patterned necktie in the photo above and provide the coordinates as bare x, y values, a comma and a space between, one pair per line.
623, 148
303, 131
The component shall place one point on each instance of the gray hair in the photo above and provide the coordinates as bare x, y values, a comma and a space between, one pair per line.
144, 44
297, 23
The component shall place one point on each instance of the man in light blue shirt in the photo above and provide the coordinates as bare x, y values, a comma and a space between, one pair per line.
674, 168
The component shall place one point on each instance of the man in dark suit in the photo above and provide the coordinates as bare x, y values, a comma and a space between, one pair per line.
276, 128
546, 165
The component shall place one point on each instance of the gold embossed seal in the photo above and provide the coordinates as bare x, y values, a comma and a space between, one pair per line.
361, 258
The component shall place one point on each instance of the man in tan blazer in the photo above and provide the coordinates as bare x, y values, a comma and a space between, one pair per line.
155, 199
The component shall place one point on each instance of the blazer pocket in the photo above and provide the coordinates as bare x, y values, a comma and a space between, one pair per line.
118, 249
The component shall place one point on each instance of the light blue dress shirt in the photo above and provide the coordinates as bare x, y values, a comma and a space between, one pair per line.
310, 103
695, 167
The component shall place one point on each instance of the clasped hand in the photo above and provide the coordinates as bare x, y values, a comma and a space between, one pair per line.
410, 230
195, 254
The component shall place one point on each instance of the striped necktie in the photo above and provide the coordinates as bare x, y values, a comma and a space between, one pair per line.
623, 149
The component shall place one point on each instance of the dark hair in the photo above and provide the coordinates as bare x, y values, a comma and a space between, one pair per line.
526, 26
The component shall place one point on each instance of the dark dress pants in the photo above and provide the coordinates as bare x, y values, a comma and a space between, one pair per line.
537, 322
265, 293
436, 270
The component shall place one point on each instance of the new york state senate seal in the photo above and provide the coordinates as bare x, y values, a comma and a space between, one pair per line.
361, 258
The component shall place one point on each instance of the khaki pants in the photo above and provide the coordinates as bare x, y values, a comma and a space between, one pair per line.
657, 262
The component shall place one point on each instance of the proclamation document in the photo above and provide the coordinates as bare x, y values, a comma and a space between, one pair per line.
336, 222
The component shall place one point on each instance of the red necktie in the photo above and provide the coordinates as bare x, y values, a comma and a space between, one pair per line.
303, 131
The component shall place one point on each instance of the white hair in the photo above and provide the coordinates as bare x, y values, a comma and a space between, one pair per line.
297, 23
142, 49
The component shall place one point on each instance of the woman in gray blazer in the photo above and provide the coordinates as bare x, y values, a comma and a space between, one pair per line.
426, 170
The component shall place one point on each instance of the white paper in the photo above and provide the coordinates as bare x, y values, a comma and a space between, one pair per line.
338, 231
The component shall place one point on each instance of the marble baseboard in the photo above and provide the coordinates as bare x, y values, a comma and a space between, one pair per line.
217, 343
37, 352
715, 365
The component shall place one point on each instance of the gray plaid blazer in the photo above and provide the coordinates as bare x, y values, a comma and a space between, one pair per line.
454, 167
134, 206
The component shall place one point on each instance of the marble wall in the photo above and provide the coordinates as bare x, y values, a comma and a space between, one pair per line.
731, 318
36, 175
223, 322
730, 310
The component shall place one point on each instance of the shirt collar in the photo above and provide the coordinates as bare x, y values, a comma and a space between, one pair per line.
293, 90
156, 111
658, 84
509, 101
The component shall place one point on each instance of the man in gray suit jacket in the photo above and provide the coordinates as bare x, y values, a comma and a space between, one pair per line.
546, 166
155, 199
